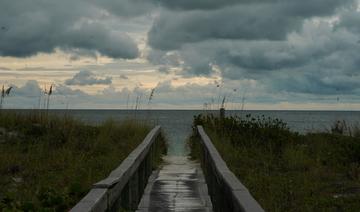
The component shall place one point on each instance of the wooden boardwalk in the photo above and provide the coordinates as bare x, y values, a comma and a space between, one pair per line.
178, 186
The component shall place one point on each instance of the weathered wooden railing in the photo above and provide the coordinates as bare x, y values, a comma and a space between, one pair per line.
226, 191
125, 185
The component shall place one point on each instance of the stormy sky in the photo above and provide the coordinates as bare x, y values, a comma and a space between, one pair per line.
264, 54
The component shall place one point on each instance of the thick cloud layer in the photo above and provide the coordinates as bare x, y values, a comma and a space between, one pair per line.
199, 4
351, 21
271, 20
33, 26
308, 47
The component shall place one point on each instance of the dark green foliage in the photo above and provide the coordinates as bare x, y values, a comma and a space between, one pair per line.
49, 163
286, 171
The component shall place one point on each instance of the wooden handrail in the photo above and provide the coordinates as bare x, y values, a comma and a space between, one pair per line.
226, 191
124, 186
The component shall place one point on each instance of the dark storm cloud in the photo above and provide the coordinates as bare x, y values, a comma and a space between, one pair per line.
271, 20
305, 7
33, 26
286, 46
320, 59
308, 84
199, 4
85, 77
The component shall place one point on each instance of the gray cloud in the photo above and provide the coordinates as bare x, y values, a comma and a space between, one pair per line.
33, 26
271, 20
350, 21
64, 90
164, 58
199, 4
306, 54
30, 89
321, 85
325, 65
126, 8
85, 77
188, 95
31, 95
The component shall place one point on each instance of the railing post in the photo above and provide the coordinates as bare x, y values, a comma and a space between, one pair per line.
142, 177
134, 192
148, 164
125, 197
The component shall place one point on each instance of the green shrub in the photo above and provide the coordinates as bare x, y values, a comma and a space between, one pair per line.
286, 171
49, 163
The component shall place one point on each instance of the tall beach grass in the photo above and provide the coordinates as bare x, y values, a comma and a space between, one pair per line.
48, 163
284, 170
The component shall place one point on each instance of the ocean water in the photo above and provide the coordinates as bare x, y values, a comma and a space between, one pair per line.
176, 124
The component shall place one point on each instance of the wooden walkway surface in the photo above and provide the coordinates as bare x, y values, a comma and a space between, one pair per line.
178, 186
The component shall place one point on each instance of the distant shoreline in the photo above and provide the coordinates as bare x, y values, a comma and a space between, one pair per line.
94, 109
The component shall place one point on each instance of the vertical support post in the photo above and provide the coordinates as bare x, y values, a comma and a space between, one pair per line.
151, 158
134, 191
125, 197
142, 177
148, 164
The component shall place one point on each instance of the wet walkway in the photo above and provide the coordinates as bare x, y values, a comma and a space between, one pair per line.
178, 186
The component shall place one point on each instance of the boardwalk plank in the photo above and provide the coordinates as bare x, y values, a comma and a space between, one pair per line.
178, 186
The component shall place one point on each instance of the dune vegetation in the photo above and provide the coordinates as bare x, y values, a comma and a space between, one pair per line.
48, 163
284, 170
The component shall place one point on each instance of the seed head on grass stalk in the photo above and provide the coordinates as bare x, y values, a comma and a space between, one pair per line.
223, 102
2, 96
151, 95
7, 92
48, 98
4, 93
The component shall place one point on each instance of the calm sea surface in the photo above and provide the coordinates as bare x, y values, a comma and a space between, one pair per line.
177, 123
